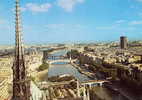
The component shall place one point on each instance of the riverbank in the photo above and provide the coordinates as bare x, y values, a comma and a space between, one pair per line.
39, 75
115, 86
83, 71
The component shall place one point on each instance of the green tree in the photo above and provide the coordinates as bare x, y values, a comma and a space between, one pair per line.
43, 67
73, 53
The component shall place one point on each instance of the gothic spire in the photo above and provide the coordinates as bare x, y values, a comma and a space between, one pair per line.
21, 89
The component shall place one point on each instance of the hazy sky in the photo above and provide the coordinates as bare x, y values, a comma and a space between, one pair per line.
46, 21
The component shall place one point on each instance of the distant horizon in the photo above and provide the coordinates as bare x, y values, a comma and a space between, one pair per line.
74, 42
63, 21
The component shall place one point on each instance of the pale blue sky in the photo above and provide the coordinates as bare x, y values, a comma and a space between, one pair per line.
53, 21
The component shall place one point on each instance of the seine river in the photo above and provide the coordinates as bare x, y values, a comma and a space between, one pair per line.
59, 69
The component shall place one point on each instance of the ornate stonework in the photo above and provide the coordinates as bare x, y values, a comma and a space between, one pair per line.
21, 86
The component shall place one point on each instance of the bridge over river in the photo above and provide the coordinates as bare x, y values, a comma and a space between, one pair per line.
56, 62
59, 59
103, 92
90, 83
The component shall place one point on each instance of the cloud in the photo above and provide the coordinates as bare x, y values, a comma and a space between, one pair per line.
120, 21
63, 27
68, 5
35, 8
106, 27
115, 25
23, 9
135, 22
139, 0
55, 26
116, 28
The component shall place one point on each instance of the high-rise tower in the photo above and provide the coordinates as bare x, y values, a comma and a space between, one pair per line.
123, 42
21, 86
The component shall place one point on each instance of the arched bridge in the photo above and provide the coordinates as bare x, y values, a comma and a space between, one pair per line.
94, 82
60, 60
56, 57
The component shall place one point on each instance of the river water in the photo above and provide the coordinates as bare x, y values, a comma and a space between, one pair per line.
59, 68
66, 69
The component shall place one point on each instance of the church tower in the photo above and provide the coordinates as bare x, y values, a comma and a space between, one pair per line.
21, 85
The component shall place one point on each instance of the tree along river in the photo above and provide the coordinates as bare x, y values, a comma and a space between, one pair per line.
59, 68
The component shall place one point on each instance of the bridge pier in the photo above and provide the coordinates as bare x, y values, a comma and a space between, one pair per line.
84, 92
88, 95
90, 86
100, 84
78, 89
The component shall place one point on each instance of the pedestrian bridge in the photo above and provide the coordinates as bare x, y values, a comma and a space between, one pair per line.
66, 61
91, 83
59, 60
